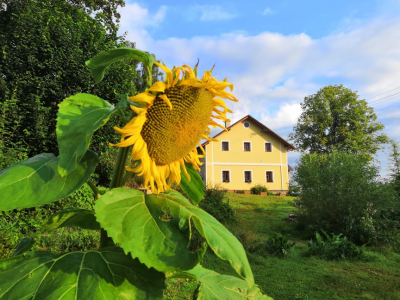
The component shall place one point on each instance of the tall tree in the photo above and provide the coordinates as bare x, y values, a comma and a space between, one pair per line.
335, 117
44, 45
394, 168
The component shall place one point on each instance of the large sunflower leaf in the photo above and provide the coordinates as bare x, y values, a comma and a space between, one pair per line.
194, 187
36, 181
157, 228
100, 62
78, 117
149, 227
104, 274
72, 217
217, 286
221, 240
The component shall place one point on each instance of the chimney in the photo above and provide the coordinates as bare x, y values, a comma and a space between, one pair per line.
227, 123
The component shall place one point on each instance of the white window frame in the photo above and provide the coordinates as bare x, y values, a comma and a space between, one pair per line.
229, 146
250, 146
271, 146
251, 176
222, 176
247, 123
273, 176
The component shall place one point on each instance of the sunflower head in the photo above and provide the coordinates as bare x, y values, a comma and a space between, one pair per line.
174, 116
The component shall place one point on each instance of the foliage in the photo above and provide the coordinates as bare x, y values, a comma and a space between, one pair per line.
334, 117
340, 194
258, 188
44, 48
153, 232
334, 247
215, 204
294, 190
276, 245
394, 169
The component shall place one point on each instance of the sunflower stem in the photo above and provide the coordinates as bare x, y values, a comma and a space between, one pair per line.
116, 181
94, 189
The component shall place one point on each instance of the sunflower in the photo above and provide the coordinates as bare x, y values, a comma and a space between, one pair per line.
174, 116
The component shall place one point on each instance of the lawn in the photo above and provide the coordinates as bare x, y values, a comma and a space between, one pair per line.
298, 276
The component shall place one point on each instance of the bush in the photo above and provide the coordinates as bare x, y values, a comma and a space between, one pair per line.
277, 245
335, 247
214, 204
340, 194
294, 190
17, 224
257, 189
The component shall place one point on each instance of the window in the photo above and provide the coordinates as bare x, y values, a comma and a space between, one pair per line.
246, 124
225, 146
268, 147
226, 176
247, 176
246, 146
269, 176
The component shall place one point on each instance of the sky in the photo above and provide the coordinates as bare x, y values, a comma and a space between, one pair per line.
278, 52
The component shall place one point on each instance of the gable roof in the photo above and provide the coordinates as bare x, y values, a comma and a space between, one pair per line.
263, 128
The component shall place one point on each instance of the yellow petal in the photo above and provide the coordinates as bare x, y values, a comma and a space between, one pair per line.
166, 100
158, 86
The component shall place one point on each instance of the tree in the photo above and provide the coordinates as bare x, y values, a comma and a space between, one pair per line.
394, 168
334, 117
44, 45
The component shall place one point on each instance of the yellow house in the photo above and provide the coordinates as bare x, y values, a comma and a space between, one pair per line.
249, 153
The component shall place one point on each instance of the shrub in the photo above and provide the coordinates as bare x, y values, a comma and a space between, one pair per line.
294, 190
257, 189
27, 222
340, 194
277, 245
214, 204
335, 247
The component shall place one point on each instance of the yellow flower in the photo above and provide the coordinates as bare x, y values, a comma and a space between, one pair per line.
173, 118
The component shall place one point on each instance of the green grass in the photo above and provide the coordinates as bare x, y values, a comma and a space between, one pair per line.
299, 276
296, 276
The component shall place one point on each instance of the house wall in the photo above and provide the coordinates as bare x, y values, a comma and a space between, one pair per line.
236, 160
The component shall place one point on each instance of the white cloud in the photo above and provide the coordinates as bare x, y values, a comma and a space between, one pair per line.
135, 20
268, 11
286, 116
209, 13
276, 70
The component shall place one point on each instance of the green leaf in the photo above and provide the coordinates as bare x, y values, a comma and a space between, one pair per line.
149, 227
104, 274
36, 181
194, 187
100, 62
216, 286
157, 229
72, 217
25, 245
79, 116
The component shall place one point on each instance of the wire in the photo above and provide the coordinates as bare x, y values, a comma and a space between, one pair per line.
387, 97
383, 93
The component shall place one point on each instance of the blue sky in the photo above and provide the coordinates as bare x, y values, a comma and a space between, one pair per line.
277, 52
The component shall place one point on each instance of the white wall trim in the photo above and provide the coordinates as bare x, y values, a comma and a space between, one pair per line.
241, 164
212, 164
280, 152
